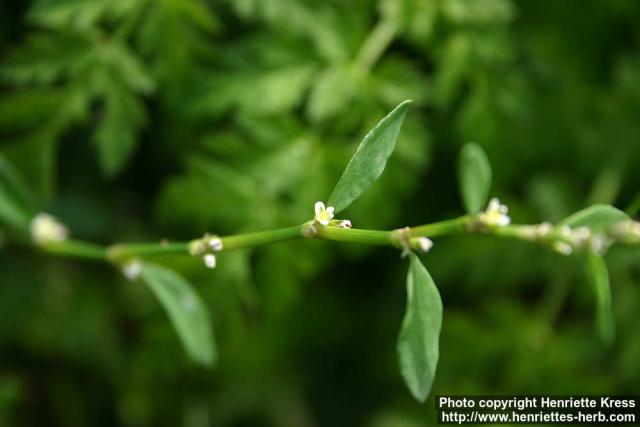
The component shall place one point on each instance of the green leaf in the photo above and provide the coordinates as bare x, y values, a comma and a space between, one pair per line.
81, 14
186, 311
17, 205
369, 160
598, 276
598, 218
418, 343
121, 83
474, 177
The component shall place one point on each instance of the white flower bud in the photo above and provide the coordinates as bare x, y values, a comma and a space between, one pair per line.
599, 243
132, 269
580, 236
495, 215
563, 248
215, 243
46, 229
210, 260
345, 223
424, 244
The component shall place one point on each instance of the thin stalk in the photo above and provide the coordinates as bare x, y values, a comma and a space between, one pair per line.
448, 227
75, 249
261, 237
122, 251
355, 235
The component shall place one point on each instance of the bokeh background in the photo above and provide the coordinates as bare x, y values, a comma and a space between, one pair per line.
140, 120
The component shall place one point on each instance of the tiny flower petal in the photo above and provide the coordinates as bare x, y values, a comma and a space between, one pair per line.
323, 215
132, 270
197, 247
424, 244
495, 214
345, 223
210, 260
543, 229
45, 228
563, 248
599, 243
215, 243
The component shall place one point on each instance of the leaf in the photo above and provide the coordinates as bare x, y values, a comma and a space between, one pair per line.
331, 93
598, 218
369, 160
474, 177
598, 276
116, 135
81, 14
17, 205
418, 343
186, 311
121, 82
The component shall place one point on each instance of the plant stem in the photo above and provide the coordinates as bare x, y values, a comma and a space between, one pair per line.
355, 235
452, 226
75, 249
262, 237
467, 224
122, 251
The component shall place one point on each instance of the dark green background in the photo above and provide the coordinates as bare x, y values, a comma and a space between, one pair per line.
140, 120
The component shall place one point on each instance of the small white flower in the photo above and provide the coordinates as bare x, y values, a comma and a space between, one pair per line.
563, 248
46, 229
197, 247
580, 236
210, 260
323, 215
599, 243
628, 229
534, 232
543, 230
215, 243
345, 223
495, 214
132, 269
565, 231
424, 244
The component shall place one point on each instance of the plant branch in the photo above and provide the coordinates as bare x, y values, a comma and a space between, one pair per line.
467, 225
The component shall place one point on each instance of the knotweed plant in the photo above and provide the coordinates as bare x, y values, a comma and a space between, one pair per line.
586, 235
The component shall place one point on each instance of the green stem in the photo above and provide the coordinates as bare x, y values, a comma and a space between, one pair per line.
262, 237
452, 226
463, 225
123, 251
354, 235
75, 249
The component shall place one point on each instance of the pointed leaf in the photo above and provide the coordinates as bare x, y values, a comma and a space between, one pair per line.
17, 205
369, 160
474, 177
598, 218
418, 343
186, 310
598, 276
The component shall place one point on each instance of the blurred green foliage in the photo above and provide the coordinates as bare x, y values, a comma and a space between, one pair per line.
141, 120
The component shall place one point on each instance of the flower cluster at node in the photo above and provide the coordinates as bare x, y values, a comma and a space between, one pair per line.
206, 248
46, 229
495, 215
323, 214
